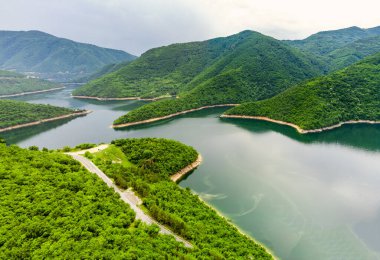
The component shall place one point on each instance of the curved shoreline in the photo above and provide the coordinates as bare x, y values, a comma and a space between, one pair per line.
75, 114
113, 99
31, 92
299, 129
182, 173
170, 116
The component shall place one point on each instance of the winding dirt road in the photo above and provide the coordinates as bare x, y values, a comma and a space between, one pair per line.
127, 196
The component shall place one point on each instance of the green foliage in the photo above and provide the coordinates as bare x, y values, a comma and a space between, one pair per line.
256, 67
349, 94
341, 48
52, 208
15, 83
154, 160
84, 146
52, 57
179, 68
16, 112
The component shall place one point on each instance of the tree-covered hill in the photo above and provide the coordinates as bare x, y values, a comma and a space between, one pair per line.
255, 67
179, 68
349, 94
14, 113
12, 83
341, 48
145, 165
51, 57
52, 208
325, 42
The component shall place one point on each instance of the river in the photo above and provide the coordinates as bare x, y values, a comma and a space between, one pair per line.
311, 196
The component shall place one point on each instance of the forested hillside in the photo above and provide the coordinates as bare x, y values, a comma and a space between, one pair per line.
52, 208
145, 165
50, 57
179, 68
12, 83
255, 67
341, 48
349, 94
14, 113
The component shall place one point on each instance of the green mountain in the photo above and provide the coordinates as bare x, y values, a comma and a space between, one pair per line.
50, 57
349, 94
14, 113
341, 48
325, 42
12, 83
354, 52
178, 68
103, 71
250, 66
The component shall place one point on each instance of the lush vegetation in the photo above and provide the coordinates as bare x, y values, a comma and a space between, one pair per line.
101, 72
52, 208
53, 58
256, 67
145, 165
179, 68
341, 48
16, 112
15, 83
349, 94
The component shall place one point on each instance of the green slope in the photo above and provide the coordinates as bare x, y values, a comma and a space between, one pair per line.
100, 73
12, 83
327, 41
51, 57
16, 112
340, 48
354, 52
349, 94
179, 68
52, 208
258, 67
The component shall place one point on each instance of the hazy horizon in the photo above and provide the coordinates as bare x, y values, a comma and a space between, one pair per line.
138, 26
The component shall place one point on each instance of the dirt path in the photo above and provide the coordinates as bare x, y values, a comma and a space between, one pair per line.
127, 196
31, 92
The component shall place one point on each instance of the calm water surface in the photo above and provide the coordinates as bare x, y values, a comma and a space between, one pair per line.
304, 197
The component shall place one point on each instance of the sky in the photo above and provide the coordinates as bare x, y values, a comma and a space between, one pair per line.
138, 25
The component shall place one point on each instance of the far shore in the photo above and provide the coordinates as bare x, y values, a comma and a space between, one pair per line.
75, 114
111, 99
31, 92
182, 173
299, 129
170, 116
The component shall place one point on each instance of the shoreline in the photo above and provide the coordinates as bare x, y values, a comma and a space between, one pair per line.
185, 171
170, 116
115, 99
75, 114
31, 92
299, 129
270, 252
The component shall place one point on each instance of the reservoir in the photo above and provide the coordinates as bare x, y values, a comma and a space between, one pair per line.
313, 196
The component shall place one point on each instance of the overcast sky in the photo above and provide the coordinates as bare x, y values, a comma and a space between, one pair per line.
138, 25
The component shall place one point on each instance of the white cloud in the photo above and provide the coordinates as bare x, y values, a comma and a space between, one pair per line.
136, 26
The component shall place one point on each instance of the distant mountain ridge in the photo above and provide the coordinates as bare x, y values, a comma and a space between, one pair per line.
12, 83
341, 48
50, 57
